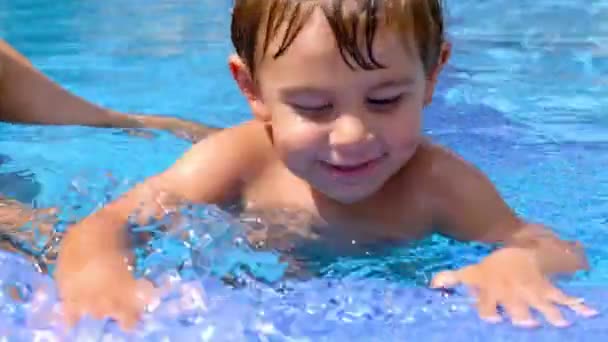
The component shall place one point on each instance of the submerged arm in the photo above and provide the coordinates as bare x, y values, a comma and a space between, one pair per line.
92, 265
211, 172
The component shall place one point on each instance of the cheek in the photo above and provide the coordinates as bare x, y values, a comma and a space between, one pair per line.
406, 134
297, 146
296, 136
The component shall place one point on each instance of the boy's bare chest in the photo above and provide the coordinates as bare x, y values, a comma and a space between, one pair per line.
283, 211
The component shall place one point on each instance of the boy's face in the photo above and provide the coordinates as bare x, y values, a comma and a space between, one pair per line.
345, 131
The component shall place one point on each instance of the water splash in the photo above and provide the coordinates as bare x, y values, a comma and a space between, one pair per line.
214, 285
318, 310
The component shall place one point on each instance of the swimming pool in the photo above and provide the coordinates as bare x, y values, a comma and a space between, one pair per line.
524, 98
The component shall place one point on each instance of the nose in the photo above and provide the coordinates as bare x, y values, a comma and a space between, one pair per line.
349, 131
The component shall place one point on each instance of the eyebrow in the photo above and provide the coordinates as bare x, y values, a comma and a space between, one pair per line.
403, 81
298, 90
292, 91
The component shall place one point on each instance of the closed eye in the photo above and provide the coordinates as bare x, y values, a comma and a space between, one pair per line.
385, 101
308, 108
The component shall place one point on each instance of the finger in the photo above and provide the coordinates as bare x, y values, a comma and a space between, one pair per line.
445, 279
71, 313
102, 308
146, 295
551, 313
129, 313
518, 311
583, 310
127, 318
145, 290
575, 304
556, 296
52, 211
538, 298
487, 307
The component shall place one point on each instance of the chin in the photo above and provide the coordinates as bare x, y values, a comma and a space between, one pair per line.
351, 196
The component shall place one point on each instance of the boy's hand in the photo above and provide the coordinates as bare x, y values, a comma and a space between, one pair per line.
100, 285
512, 278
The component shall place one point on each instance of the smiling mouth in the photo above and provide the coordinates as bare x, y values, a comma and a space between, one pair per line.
352, 169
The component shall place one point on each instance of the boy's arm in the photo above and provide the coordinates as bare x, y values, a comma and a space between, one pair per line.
514, 277
28, 96
91, 270
210, 172
469, 207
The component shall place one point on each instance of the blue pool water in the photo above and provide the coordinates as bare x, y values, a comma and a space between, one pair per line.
524, 98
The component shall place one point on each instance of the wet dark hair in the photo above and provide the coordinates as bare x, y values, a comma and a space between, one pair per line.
255, 23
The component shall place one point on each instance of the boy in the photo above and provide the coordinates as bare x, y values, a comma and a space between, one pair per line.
337, 89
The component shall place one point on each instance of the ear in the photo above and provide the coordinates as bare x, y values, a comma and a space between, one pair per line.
249, 89
444, 56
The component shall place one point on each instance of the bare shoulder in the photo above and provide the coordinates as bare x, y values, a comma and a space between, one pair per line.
439, 165
245, 143
465, 203
438, 176
215, 168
